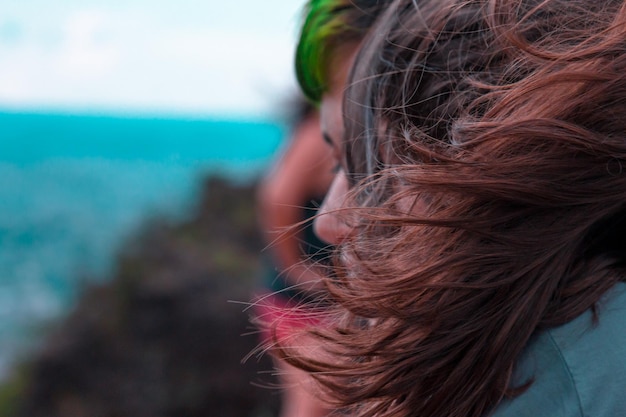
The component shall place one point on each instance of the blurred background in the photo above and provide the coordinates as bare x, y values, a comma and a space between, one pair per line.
114, 115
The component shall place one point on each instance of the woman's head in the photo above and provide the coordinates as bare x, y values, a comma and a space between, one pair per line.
435, 65
329, 39
484, 147
331, 31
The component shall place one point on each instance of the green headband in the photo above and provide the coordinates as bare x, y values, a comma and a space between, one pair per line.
324, 27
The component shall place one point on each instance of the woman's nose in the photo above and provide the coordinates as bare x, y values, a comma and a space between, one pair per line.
330, 225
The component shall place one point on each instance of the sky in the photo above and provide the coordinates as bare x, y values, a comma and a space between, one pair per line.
196, 57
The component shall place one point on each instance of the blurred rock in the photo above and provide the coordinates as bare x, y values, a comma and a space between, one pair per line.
163, 337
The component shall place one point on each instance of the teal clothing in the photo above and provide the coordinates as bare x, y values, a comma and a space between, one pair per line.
578, 369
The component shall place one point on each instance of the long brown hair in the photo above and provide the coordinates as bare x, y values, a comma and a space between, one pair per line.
486, 147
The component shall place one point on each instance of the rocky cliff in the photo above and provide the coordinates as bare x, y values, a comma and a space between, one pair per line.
166, 335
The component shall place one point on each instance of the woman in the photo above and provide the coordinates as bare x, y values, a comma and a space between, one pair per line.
480, 214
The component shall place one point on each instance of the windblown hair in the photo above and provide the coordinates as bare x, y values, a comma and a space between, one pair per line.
486, 146
329, 24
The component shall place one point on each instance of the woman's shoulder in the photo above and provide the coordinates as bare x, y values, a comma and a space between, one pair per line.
577, 369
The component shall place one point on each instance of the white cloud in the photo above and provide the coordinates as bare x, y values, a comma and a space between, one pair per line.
151, 59
87, 53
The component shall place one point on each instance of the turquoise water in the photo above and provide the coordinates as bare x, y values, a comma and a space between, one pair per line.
73, 187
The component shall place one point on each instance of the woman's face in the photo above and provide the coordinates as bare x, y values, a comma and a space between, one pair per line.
328, 225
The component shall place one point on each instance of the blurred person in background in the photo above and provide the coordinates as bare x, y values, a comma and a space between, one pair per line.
287, 201
290, 194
